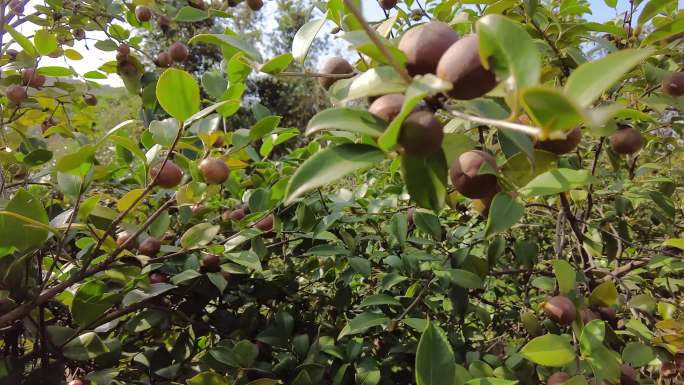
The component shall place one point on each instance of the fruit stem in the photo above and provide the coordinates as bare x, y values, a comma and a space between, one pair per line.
376, 40
535, 131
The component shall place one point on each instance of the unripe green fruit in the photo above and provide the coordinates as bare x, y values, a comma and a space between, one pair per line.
179, 52
673, 85
561, 146
169, 176
461, 66
214, 170
626, 140
334, 66
255, 5
558, 378
425, 44
164, 60
560, 309
143, 14
266, 223
16, 94
465, 178
149, 247
387, 107
421, 134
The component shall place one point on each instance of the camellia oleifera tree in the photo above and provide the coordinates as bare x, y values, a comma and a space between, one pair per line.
506, 209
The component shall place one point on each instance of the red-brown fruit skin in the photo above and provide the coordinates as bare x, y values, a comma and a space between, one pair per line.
562, 146
387, 107
211, 263
668, 370
163, 23
627, 375
673, 85
16, 94
76, 382
421, 134
409, 215
179, 52
255, 5
149, 247
336, 66
238, 214
558, 378
464, 175
588, 316
32, 78
170, 176
626, 140
387, 4
461, 66
214, 170
560, 309
679, 360
143, 14
90, 99
123, 237
124, 49
157, 277
164, 60
265, 224
425, 44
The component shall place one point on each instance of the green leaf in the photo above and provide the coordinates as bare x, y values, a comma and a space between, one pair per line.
347, 119
45, 42
557, 181
90, 302
22, 233
85, 347
190, 14
55, 71
178, 94
263, 127
429, 223
398, 227
652, 8
304, 38
510, 50
549, 350
363, 322
25, 43
435, 361
504, 212
565, 275
519, 141
164, 132
421, 87
637, 354
361, 266
376, 81
426, 179
550, 109
367, 372
604, 294
208, 378
590, 80
462, 278
490, 381
519, 171
138, 295
228, 41
379, 299
199, 235
675, 242
604, 362
329, 165
664, 31
277, 65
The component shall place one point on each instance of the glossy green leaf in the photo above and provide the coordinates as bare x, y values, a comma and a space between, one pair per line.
304, 38
504, 212
45, 42
55, 71
565, 276
435, 361
653, 7
199, 235
329, 165
426, 179
363, 322
637, 354
604, 362
263, 127
19, 230
664, 31
462, 278
231, 41
85, 347
24, 42
190, 14
379, 299
550, 109
209, 378
549, 350
347, 119
278, 64
604, 294
178, 94
519, 171
376, 81
557, 181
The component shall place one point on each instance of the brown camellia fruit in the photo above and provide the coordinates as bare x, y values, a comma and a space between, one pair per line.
387, 4
425, 44
626, 140
16, 94
199, 4
558, 378
179, 52
164, 60
123, 237
387, 107
673, 85
409, 215
79, 34
32, 78
157, 277
461, 66
627, 375
169, 176
265, 223
668, 370
211, 263
561, 146
90, 99
124, 49
421, 134
608, 314
238, 214
255, 5
76, 382
334, 66
17, 7
464, 175
143, 13
12, 53
47, 123
163, 23
149, 247
560, 309
214, 170
588, 316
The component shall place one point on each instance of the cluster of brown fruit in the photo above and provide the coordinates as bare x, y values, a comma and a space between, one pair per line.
17, 7
177, 52
169, 175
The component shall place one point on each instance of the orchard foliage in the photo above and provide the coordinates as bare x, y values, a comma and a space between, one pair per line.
494, 197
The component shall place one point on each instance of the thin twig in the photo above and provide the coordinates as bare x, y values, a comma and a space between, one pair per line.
535, 131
